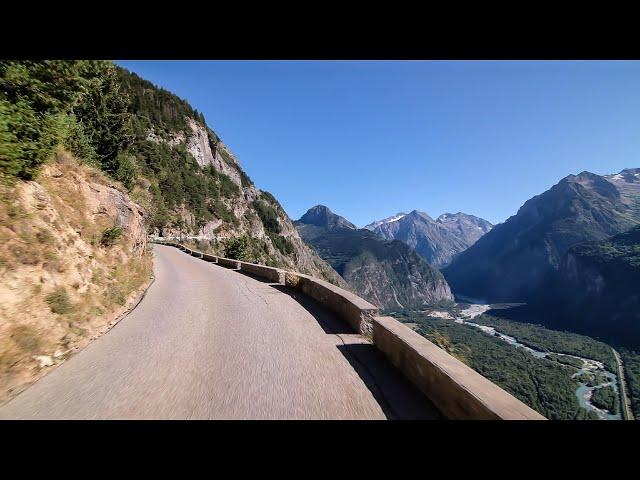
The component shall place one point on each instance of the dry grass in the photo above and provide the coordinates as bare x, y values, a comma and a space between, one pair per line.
59, 286
59, 301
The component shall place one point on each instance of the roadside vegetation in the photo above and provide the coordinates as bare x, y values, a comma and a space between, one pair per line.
631, 361
46, 104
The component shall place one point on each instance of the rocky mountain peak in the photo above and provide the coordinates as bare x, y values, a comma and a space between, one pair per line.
420, 215
322, 216
438, 241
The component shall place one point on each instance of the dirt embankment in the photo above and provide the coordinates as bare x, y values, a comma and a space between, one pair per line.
73, 259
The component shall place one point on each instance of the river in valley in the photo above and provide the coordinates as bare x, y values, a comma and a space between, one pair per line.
589, 366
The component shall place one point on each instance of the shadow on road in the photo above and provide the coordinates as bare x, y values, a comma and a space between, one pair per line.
397, 397
255, 277
325, 318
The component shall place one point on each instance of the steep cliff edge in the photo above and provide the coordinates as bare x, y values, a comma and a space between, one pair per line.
72, 260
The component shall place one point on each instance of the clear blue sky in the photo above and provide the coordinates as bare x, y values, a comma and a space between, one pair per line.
369, 139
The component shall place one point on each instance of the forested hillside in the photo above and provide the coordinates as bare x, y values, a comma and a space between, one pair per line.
188, 182
193, 186
597, 289
72, 243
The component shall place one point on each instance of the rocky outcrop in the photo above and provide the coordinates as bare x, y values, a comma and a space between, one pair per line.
110, 201
321, 216
468, 228
199, 146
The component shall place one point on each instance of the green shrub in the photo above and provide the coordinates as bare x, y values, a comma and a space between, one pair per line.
220, 211
270, 198
283, 244
244, 179
126, 170
58, 301
228, 189
236, 247
110, 236
45, 104
268, 216
226, 157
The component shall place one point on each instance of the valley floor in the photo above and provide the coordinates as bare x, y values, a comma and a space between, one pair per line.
561, 374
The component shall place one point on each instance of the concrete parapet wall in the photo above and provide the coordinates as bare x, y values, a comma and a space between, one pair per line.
229, 263
358, 313
458, 391
269, 273
209, 258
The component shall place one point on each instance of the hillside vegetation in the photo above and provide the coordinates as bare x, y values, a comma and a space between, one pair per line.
193, 187
172, 164
597, 291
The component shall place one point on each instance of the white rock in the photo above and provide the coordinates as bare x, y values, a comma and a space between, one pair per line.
44, 360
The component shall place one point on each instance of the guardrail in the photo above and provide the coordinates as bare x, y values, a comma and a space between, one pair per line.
458, 391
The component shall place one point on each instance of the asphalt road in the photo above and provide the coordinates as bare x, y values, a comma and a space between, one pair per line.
626, 403
211, 343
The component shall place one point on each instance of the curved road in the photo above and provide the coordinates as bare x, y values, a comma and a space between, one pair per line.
211, 343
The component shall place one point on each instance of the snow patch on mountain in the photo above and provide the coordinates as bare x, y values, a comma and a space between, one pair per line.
391, 219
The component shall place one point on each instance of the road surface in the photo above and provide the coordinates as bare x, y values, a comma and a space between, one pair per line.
211, 343
626, 403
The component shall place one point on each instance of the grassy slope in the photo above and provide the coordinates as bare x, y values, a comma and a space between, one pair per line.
60, 284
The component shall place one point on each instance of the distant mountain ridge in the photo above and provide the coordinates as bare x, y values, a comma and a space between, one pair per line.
438, 241
515, 259
389, 274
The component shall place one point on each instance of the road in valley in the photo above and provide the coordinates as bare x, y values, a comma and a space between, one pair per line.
626, 403
211, 343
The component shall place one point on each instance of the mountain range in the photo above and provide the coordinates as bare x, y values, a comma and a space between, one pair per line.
517, 259
388, 273
438, 241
